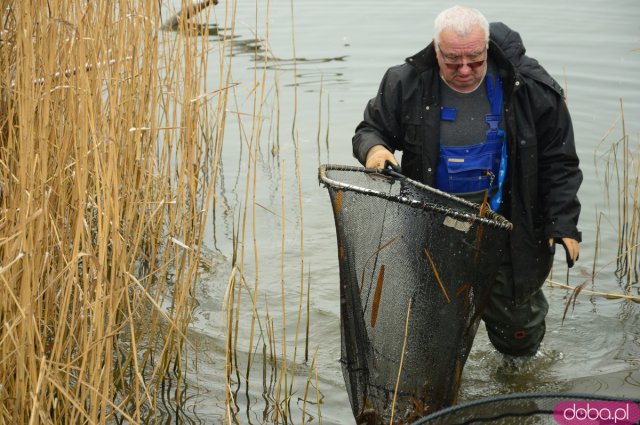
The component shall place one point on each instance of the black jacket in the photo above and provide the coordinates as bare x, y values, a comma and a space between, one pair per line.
543, 172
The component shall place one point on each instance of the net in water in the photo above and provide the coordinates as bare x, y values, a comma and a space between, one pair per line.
416, 265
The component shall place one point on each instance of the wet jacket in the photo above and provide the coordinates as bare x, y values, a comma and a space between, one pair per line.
543, 174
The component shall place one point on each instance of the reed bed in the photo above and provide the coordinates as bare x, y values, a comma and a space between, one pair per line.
621, 179
107, 166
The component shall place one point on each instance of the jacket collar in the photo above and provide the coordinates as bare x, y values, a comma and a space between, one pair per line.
424, 59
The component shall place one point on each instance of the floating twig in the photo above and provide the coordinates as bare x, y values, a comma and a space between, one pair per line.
376, 297
580, 289
187, 13
435, 272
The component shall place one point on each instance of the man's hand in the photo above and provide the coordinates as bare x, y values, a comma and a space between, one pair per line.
377, 156
571, 247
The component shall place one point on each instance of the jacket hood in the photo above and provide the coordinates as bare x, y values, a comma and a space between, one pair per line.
508, 40
513, 48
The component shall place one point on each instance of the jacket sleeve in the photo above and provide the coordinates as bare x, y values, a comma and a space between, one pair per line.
558, 170
380, 125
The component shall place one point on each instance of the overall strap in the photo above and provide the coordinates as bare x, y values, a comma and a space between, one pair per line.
495, 95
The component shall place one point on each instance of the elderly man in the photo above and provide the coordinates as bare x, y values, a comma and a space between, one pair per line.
474, 116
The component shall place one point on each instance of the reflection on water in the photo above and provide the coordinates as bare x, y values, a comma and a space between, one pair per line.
243, 46
255, 51
288, 62
255, 48
621, 384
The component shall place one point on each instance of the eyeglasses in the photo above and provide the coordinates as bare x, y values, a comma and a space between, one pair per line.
454, 62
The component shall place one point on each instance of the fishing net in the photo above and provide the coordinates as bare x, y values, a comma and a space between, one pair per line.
539, 409
416, 265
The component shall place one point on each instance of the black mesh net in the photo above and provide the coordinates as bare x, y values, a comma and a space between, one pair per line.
416, 265
539, 409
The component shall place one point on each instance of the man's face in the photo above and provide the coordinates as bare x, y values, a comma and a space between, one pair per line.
462, 59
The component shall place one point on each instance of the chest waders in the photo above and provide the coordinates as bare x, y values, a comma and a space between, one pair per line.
477, 167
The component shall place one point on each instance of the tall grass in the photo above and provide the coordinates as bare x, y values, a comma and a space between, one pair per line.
106, 166
622, 179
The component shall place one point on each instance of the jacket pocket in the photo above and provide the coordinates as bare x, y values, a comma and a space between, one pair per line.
412, 155
412, 141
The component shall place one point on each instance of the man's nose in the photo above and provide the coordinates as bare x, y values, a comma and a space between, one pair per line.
465, 68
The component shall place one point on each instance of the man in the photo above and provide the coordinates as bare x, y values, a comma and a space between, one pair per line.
473, 115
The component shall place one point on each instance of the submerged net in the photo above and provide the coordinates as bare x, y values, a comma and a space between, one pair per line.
539, 409
416, 265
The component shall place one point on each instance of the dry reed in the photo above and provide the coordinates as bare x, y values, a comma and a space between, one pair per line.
278, 345
622, 178
106, 168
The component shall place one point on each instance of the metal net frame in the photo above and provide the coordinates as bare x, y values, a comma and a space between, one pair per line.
416, 266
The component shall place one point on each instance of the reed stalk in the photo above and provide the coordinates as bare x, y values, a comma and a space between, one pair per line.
404, 347
580, 290
313, 369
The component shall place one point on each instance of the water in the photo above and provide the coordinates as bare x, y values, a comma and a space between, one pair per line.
343, 48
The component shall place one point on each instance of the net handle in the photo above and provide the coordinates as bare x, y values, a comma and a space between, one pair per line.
496, 220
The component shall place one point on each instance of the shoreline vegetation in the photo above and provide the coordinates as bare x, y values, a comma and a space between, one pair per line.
107, 165
111, 139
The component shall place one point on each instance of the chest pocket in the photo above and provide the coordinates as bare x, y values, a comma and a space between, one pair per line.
466, 169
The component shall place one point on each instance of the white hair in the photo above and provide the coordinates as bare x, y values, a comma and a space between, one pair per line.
462, 20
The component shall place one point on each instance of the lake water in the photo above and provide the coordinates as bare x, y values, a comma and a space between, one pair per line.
285, 225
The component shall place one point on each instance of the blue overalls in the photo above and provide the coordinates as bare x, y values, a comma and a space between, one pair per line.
477, 167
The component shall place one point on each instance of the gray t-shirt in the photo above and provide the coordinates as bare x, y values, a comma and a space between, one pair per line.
469, 126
